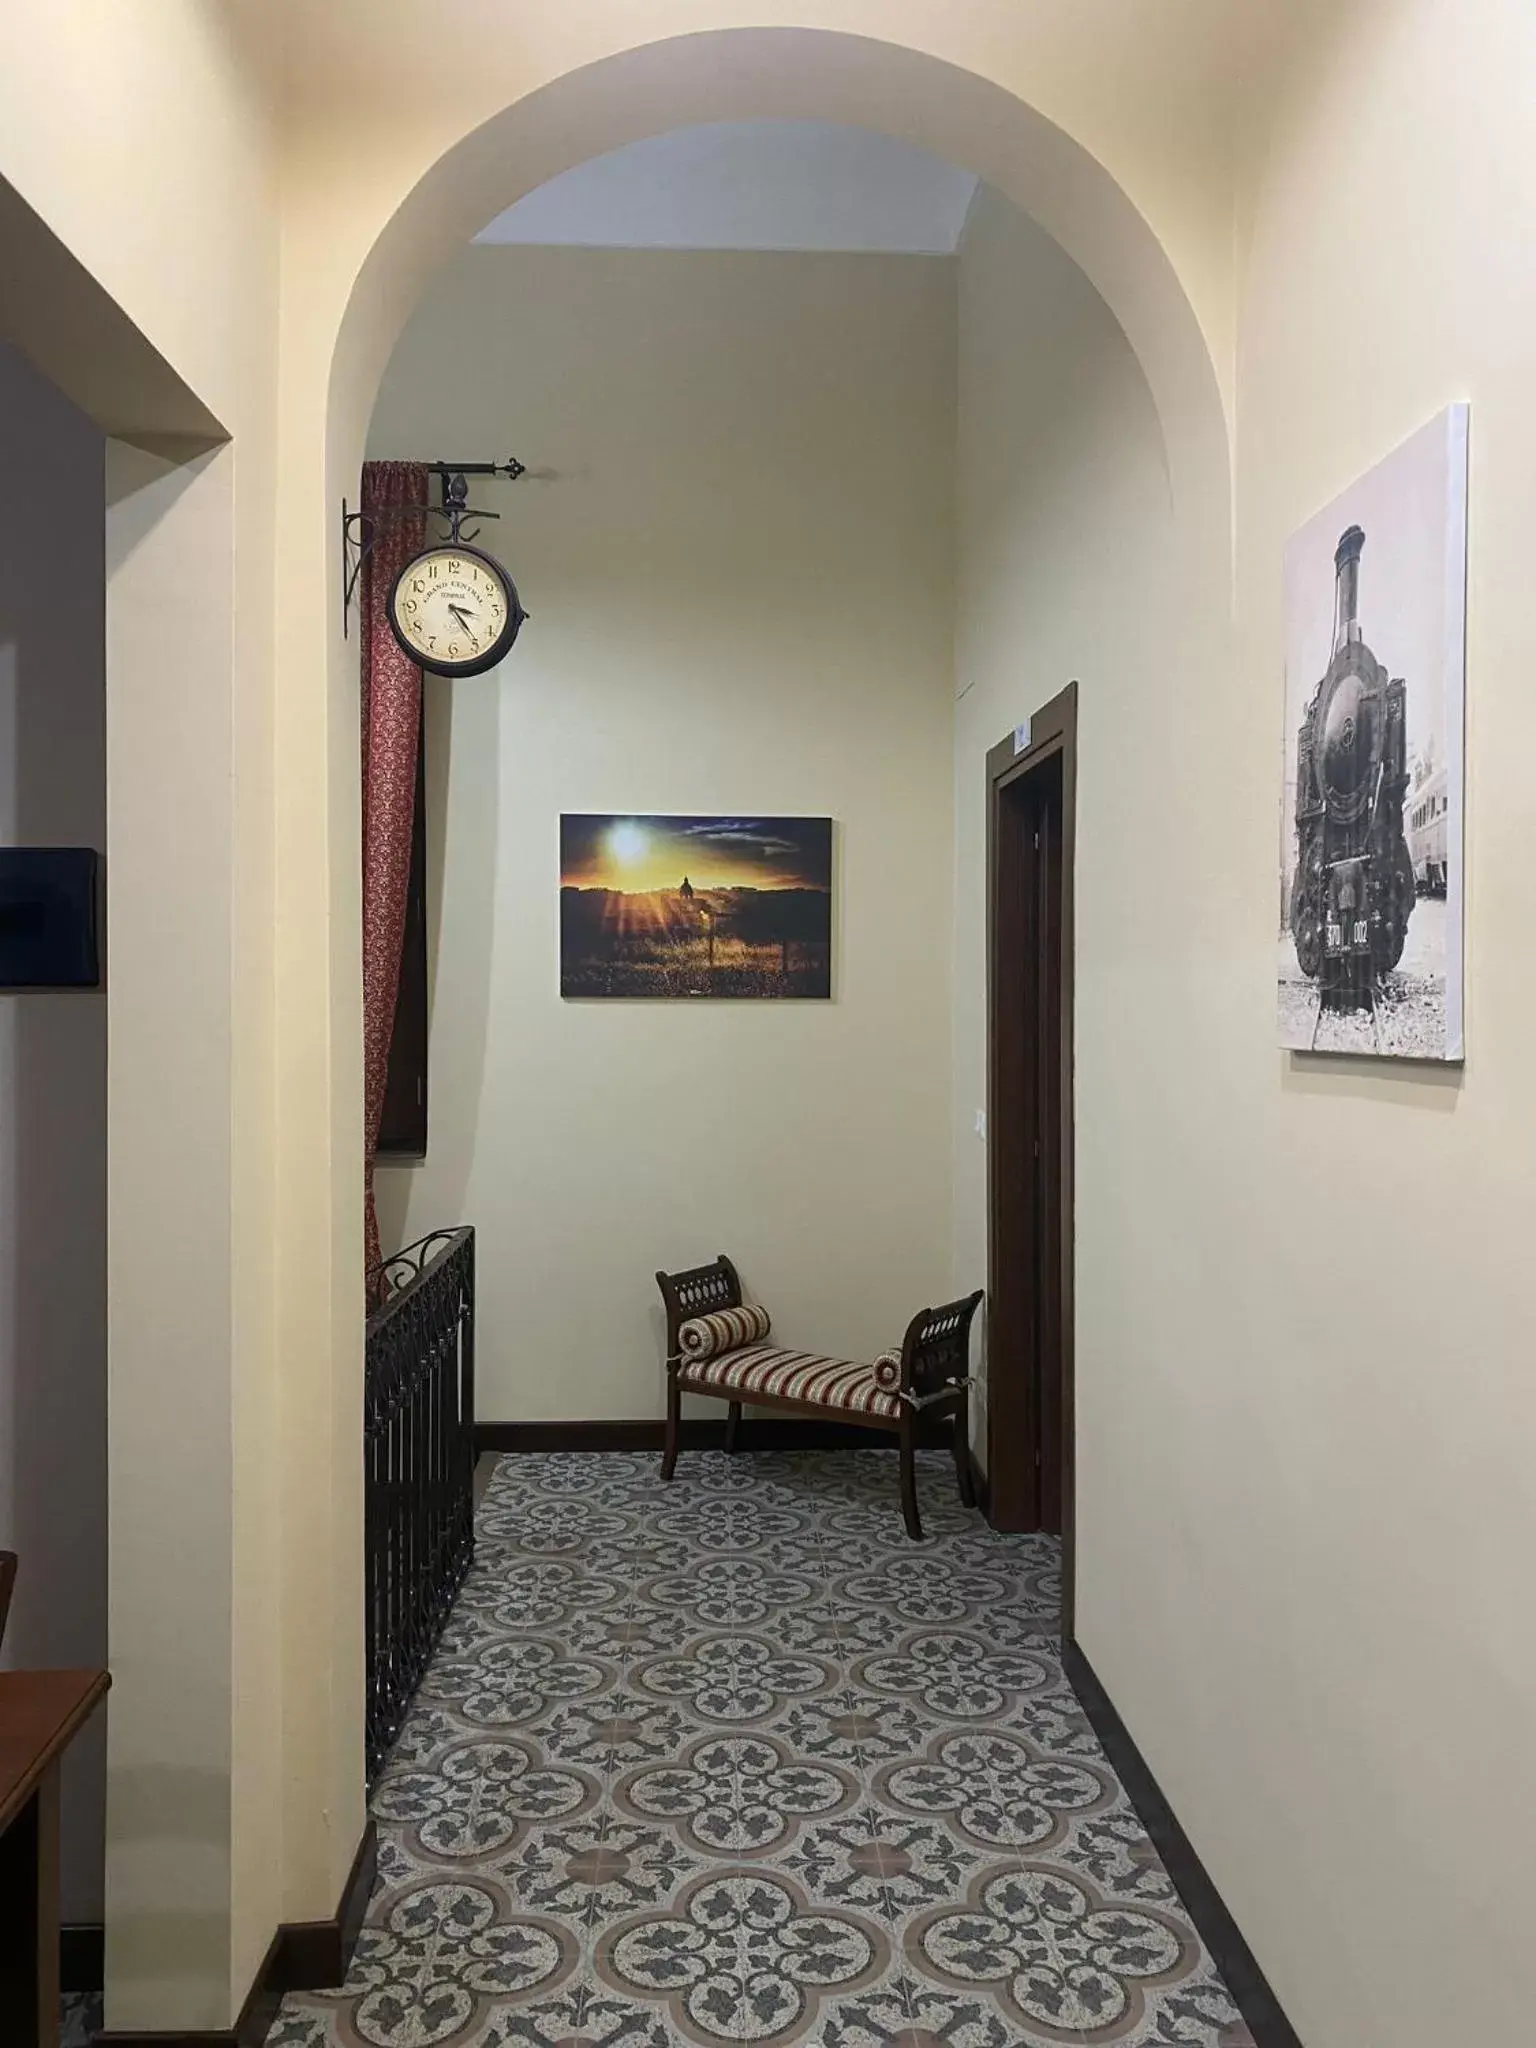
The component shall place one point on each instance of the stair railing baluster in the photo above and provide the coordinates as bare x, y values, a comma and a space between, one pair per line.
418, 1467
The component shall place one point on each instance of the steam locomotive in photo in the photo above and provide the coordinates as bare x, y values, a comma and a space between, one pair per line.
1353, 890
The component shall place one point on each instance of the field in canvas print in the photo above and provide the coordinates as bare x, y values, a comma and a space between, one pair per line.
663, 906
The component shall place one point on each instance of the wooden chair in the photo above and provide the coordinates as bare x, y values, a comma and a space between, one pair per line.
717, 1345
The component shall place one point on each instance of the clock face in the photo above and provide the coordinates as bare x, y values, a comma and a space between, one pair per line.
454, 610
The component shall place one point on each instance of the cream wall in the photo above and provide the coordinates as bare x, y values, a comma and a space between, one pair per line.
1063, 552
172, 1777
735, 545
1378, 1568
1305, 1412
138, 137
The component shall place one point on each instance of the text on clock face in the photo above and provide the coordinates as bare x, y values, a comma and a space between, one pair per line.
451, 606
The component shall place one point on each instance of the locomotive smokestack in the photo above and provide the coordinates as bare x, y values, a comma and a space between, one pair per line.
1346, 563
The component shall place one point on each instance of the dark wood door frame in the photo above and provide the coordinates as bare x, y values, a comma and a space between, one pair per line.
1031, 848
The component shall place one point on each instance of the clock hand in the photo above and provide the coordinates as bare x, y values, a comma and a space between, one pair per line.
461, 615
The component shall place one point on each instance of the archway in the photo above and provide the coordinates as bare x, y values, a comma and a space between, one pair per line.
746, 74
335, 353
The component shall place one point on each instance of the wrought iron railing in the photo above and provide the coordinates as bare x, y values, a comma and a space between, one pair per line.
419, 1452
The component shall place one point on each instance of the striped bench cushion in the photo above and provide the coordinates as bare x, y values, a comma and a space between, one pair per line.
792, 1376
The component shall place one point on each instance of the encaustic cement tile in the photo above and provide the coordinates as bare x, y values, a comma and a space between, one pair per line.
731, 1761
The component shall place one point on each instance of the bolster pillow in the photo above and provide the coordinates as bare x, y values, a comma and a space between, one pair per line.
728, 1329
888, 1371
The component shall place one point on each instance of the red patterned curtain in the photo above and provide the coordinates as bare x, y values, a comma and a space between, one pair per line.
391, 694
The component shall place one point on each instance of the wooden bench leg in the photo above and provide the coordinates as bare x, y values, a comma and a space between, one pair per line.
962, 1445
674, 1417
909, 1512
732, 1418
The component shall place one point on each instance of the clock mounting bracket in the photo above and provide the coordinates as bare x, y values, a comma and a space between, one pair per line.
357, 528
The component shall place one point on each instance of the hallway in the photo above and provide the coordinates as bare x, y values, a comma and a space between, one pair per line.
730, 1761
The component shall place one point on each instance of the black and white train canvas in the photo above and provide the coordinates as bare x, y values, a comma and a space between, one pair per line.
1371, 834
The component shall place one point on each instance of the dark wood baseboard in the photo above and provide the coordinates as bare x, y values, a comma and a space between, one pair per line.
1204, 1904
304, 1955
575, 1436
316, 1954
80, 1957
699, 1433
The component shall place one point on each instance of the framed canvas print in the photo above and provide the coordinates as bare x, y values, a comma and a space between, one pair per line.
1372, 827
661, 906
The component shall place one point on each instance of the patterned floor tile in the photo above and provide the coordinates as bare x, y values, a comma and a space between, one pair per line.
79, 2018
733, 1761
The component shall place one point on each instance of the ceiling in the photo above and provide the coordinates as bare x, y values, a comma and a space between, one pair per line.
751, 185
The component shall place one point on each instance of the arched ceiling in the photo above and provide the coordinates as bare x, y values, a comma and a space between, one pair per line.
751, 185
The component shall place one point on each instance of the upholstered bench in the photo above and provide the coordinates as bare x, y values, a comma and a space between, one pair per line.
718, 1344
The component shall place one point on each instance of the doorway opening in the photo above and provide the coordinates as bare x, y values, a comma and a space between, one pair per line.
1031, 790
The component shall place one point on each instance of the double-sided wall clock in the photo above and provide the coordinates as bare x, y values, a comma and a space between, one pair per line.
454, 609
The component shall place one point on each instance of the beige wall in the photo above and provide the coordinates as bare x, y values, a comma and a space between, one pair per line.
139, 140
1381, 1429
171, 1438
1304, 1401
1063, 550
736, 550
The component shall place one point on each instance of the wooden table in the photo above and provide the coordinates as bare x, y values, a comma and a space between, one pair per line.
41, 1712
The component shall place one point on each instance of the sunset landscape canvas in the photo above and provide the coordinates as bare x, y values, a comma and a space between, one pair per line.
682, 907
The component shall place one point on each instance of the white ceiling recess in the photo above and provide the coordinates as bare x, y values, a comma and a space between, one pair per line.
751, 185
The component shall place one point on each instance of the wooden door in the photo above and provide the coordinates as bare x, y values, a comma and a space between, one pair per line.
1029, 1123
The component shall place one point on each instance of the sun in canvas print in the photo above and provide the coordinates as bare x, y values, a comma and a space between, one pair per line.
662, 906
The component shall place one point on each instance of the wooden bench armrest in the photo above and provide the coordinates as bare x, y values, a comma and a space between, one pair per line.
696, 1291
936, 1351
